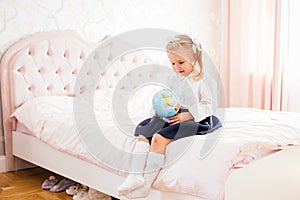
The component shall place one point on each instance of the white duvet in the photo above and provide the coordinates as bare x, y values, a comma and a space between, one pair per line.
197, 165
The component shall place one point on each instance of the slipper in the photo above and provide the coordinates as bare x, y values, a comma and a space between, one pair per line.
62, 185
82, 195
95, 194
72, 190
75, 189
49, 183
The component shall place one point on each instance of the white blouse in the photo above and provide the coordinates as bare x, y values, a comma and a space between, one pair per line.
194, 95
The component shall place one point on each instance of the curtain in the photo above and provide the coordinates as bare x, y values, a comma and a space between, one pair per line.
291, 93
2, 148
256, 65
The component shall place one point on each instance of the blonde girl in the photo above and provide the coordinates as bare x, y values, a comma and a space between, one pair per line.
154, 134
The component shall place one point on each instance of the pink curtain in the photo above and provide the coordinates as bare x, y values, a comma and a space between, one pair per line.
291, 28
255, 53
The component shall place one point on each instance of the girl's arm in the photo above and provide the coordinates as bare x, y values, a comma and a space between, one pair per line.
204, 108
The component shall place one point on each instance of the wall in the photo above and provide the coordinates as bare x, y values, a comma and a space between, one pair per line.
94, 19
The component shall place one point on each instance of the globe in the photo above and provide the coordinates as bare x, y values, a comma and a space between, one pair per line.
165, 103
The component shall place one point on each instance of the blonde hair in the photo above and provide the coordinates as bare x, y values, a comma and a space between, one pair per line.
184, 46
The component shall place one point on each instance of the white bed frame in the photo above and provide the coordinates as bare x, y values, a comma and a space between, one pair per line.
251, 182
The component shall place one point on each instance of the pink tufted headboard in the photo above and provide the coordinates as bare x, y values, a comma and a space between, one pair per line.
41, 64
46, 64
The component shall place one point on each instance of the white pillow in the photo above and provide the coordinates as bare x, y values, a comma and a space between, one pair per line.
34, 113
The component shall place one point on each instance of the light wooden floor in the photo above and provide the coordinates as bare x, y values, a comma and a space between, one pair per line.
26, 185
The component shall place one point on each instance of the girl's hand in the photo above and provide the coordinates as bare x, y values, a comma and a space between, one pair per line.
180, 117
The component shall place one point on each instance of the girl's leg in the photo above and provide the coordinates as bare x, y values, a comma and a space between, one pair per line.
154, 163
135, 178
142, 138
159, 143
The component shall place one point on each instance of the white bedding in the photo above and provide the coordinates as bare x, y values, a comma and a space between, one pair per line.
246, 135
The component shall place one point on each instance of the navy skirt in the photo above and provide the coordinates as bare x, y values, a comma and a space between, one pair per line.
153, 125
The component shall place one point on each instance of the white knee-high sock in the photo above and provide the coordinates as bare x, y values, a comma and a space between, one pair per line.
154, 163
135, 178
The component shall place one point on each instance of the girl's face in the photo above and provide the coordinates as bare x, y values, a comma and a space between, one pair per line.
180, 65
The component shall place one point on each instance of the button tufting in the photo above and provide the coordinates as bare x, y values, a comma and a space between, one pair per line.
134, 60
96, 56
116, 74
82, 89
67, 87
82, 56
66, 54
58, 71
74, 72
40, 70
49, 52
122, 59
49, 87
31, 51
21, 69
110, 57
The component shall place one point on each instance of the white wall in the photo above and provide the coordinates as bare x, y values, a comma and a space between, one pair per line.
94, 19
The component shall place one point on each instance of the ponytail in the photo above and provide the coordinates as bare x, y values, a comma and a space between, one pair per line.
198, 62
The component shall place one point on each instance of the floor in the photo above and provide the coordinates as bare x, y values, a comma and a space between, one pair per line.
26, 185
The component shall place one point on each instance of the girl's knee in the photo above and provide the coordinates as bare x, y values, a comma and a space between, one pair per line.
159, 143
142, 138
156, 138
159, 139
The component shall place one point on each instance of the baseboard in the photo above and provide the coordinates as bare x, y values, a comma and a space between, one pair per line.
2, 164
19, 164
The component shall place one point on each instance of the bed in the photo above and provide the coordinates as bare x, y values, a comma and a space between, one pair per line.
39, 91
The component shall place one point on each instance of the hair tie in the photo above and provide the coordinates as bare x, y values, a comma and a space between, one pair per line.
196, 44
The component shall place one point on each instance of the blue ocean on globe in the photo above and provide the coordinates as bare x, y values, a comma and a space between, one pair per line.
165, 103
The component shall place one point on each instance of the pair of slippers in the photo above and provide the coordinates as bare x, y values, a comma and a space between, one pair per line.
54, 185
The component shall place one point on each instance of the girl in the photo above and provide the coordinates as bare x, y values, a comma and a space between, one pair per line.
186, 59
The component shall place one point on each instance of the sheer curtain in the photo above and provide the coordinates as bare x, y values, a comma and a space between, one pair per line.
257, 59
291, 93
